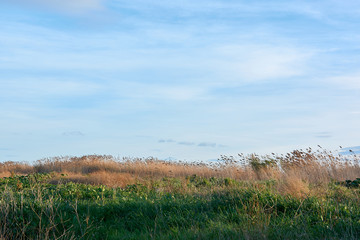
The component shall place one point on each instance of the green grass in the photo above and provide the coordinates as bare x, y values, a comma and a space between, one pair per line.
209, 208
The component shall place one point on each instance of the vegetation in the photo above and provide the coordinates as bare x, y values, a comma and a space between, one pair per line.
303, 194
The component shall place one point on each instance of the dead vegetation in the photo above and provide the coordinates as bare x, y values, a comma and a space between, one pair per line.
294, 170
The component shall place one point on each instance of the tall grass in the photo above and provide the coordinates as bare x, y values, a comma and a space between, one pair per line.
299, 195
307, 166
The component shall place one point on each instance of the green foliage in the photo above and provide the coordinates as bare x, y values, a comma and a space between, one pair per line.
198, 181
256, 163
351, 184
221, 208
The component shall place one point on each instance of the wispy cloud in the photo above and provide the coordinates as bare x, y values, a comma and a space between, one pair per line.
181, 93
323, 135
5, 149
207, 144
250, 75
189, 143
348, 81
244, 62
186, 143
166, 141
48, 86
73, 133
217, 8
67, 6
222, 145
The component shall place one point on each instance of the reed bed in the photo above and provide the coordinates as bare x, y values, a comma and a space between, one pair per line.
295, 170
304, 194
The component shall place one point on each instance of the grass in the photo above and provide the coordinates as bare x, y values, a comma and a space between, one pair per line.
302, 195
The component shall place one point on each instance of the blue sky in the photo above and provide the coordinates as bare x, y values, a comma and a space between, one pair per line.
190, 80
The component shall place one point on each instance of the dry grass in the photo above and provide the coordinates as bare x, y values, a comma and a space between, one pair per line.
293, 185
96, 178
295, 170
8, 169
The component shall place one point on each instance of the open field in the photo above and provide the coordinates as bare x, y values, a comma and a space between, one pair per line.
305, 194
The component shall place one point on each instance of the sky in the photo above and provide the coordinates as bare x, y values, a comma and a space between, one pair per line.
181, 79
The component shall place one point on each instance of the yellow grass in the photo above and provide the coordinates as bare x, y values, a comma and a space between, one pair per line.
293, 171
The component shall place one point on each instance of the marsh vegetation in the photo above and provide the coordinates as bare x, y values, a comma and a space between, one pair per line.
304, 194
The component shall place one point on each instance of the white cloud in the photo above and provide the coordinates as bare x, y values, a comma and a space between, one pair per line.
73, 133
67, 6
178, 93
47, 87
351, 81
258, 62
166, 141
186, 143
207, 144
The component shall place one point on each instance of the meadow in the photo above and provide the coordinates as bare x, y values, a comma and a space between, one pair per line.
305, 194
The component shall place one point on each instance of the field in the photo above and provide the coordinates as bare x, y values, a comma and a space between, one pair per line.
305, 194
